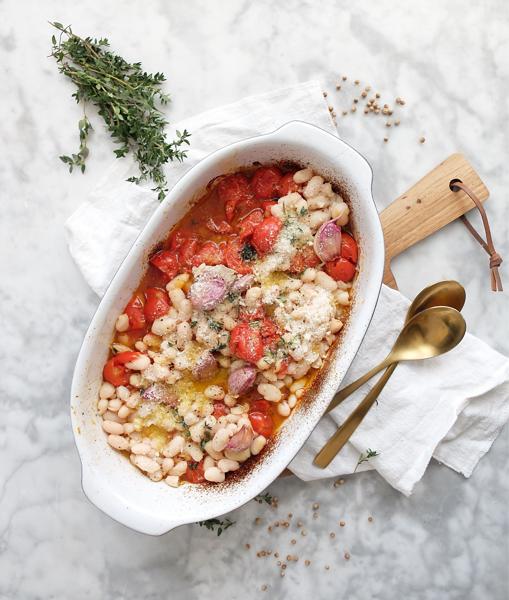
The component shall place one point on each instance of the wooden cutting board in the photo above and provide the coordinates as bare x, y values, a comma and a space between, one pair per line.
428, 206
425, 208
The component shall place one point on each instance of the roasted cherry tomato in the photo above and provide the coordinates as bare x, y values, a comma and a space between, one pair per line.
283, 369
178, 237
265, 183
249, 222
209, 254
135, 311
233, 258
187, 252
349, 248
270, 332
231, 190
340, 269
261, 423
167, 262
195, 472
304, 259
157, 303
115, 372
262, 406
265, 234
220, 409
287, 185
246, 343
222, 227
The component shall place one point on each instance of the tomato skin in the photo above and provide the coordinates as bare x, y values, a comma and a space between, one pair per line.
340, 269
269, 332
305, 258
134, 310
246, 343
349, 248
209, 254
265, 234
231, 190
114, 371
249, 222
233, 259
265, 183
187, 252
157, 303
195, 475
220, 409
222, 228
166, 261
287, 185
261, 423
262, 406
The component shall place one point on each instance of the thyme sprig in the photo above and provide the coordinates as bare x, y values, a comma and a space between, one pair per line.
126, 98
365, 456
211, 525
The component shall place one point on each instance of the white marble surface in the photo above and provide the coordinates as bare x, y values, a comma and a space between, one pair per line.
450, 539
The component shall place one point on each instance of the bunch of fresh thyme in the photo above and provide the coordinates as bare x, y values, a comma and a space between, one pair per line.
126, 99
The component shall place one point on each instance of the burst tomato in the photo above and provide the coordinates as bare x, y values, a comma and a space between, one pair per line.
304, 259
287, 185
157, 303
267, 206
265, 234
220, 409
262, 406
222, 227
231, 190
233, 258
261, 423
246, 343
187, 252
349, 248
195, 472
269, 332
249, 222
115, 372
340, 269
167, 262
209, 254
265, 183
135, 311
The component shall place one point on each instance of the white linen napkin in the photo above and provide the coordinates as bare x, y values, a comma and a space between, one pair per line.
451, 407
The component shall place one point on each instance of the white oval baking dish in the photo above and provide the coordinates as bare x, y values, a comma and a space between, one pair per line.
109, 480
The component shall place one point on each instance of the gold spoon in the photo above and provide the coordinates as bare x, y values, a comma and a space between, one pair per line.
430, 333
443, 293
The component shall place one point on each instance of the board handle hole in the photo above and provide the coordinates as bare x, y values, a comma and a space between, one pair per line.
452, 186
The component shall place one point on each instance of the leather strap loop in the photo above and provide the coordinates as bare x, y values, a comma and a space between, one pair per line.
495, 258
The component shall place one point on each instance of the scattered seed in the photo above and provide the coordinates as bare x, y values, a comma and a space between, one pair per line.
282, 573
247, 546
276, 554
366, 111
332, 534
370, 519
345, 112
342, 523
422, 140
290, 515
377, 95
269, 528
400, 101
293, 541
344, 78
258, 520
316, 506
347, 556
304, 532
315, 515
367, 88
396, 123
386, 139
279, 563
364, 94
307, 562
338, 87
388, 124
327, 567
283, 566
325, 94
356, 82
300, 524
331, 108
264, 588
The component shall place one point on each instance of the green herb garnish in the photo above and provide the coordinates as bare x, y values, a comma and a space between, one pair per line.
211, 524
126, 98
365, 456
248, 253
215, 325
265, 497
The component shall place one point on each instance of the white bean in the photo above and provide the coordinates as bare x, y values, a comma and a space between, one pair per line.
226, 465
176, 296
238, 456
303, 175
313, 186
123, 393
106, 390
318, 201
318, 218
175, 446
179, 469
102, 406
298, 384
214, 392
253, 295
167, 464
220, 440
124, 412
112, 427
164, 326
269, 392
342, 297
283, 409
340, 211
191, 418
214, 474
140, 363
114, 405
122, 323
178, 282
145, 463
325, 281
184, 335
172, 481
210, 450
185, 310
336, 325
257, 444
128, 428
292, 400
141, 448
156, 476
118, 442
208, 462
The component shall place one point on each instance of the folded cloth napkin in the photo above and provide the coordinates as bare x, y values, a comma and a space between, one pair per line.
451, 407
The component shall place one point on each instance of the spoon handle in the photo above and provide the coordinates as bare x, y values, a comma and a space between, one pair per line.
346, 430
355, 385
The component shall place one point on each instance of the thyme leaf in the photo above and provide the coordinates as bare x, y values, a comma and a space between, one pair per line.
211, 525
